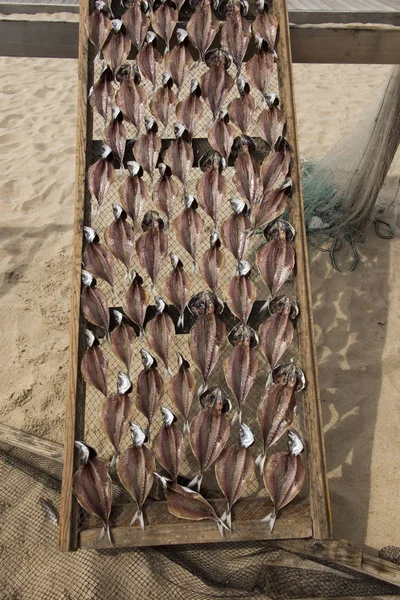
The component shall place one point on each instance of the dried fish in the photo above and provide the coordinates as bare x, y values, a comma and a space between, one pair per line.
234, 470
241, 109
179, 155
234, 230
177, 287
94, 365
99, 26
152, 245
265, 26
116, 413
137, 300
101, 95
275, 260
222, 134
137, 21
188, 227
241, 292
209, 432
190, 110
164, 19
122, 339
211, 186
202, 27
149, 389
120, 237
212, 262
247, 173
93, 487
271, 206
93, 303
148, 147
216, 82
165, 191
149, 58
117, 46
131, 98
260, 68
135, 467
179, 60
276, 333
50, 511
271, 124
162, 104
134, 192
208, 334
284, 373
236, 32
101, 175
168, 444
184, 503
115, 135
241, 367
97, 258
181, 390
161, 332
275, 168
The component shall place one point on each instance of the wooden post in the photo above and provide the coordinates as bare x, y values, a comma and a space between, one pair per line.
31, 443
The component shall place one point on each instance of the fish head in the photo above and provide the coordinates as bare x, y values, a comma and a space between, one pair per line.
138, 436
289, 375
243, 268
116, 25
244, 7
287, 186
151, 38
215, 241
118, 316
195, 89
89, 338
262, 6
101, 6
218, 58
279, 230
205, 303
118, 212
144, 6
243, 143
243, 335
160, 304
124, 384
116, 114
176, 262
163, 480
164, 170
181, 35
284, 304
239, 206
182, 362
106, 152
85, 452
191, 202
152, 220
271, 99
150, 125
223, 115
87, 279
246, 436
124, 73
90, 235
168, 416
136, 279
167, 80
148, 360
243, 85
179, 129
217, 399
295, 443
134, 168
211, 160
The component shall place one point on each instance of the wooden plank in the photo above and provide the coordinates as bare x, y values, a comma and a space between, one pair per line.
381, 569
31, 443
319, 493
337, 551
75, 405
44, 39
313, 17
10, 8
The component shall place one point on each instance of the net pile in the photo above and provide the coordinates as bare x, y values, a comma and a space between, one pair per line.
31, 567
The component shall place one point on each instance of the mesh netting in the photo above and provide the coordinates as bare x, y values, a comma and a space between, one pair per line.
32, 568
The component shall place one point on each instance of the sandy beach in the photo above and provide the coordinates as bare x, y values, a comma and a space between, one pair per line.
357, 315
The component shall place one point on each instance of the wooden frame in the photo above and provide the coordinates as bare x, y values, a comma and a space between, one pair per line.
304, 518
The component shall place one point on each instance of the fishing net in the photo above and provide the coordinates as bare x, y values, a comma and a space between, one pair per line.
32, 568
353, 185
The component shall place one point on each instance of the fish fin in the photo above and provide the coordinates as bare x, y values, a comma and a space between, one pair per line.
271, 518
194, 481
186, 428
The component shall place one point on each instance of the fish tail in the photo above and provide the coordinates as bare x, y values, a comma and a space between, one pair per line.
271, 518
167, 372
235, 417
240, 416
108, 531
138, 516
105, 531
181, 320
260, 461
249, 233
202, 388
229, 519
113, 460
199, 482
194, 481
141, 333
95, 210
222, 527
186, 427
223, 516
194, 266
264, 306
121, 166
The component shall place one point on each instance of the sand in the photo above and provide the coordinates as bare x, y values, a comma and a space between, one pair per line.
356, 315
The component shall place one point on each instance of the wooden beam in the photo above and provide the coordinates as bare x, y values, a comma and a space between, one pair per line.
31, 443
30, 8
362, 44
336, 551
315, 17
380, 569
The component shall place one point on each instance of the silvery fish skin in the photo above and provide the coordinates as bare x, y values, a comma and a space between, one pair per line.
94, 305
275, 261
93, 489
241, 293
181, 389
134, 192
241, 109
122, 340
234, 230
102, 94
177, 287
97, 258
190, 110
162, 104
100, 176
247, 176
94, 365
212, 263
115, 416
211, 191
234, 470
284, 476
135, 467
240, 369
120, 237
275, 168
188, 228
137, 300
222, 134
216, 82
149, 389
115, 136
131, 98
271, 206
164, 19
117, 46
149, 58
259, 70
209, 433
208, 335
168, 445
265, 27
160, 333
236, 33
152, 245
137, 22
179, 156
148, 147
165, 191
202, 27
179, 60
271, 124
276, 333
99, 27
184, 503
